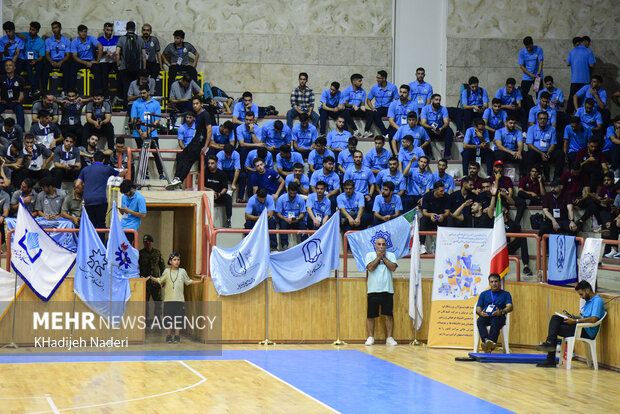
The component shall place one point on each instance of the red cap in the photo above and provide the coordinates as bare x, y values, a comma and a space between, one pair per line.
499, 162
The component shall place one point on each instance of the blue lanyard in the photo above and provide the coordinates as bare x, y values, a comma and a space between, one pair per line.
10, 82
492, 298
180, 53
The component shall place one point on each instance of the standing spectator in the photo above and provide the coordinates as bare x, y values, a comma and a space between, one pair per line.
217, 181
354, 100
32, 56
302, 102
531, 60
152, 53
303, 135
420, 92
12, 92
330, 105
130, 58
99, 119
351, 206
542, 146
434, 118
558, 211
108, 59
151, 263
318, 207
133, 208
383, 93
380, 265
46, 132
176, 57
86, 52
291, 213
476, 145
387, 205
67, 161
256, 204
399, 110
581, 61
492, 307
147, 124
57, 54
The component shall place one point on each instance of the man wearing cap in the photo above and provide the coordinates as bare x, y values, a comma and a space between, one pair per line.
151, 263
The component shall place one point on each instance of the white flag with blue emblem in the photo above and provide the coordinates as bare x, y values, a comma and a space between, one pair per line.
240, 268
310, 261
93, 274
123, 257
395, 232
41, 262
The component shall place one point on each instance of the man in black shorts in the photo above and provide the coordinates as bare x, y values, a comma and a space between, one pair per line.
380, 265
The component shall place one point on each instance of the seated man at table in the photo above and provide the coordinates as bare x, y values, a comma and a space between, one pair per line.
565, 326
492, 307
49, 201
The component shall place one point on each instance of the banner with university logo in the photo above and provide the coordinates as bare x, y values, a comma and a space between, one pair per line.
462, 264
588, 263
562, 268
415, 275
7, 290
240, 268
122, 256
41, 262
396, 232
93, 274
310, 261
67, 240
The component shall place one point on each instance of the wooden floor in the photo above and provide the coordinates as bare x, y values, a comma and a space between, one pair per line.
214, 386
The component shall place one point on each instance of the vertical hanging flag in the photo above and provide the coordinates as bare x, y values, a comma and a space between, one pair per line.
499, 247
562, 266
41, 262
588, 262
415, 275
121, 255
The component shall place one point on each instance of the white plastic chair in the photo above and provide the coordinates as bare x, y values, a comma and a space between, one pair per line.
590, 345
505, 331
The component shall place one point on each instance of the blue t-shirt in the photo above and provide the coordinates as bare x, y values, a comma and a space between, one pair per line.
287, 165
434, 117
447, 180
593, 307
584, 93
16, 44
330, 101
418, 183
336, 140
377, 162
271, 138
404, 156
541, 138
399, 112
139, 108
35, 46
332, 180
556, 94
244, 134
269, 180
249, 159
304, 181
479, 97
345, 159
611, 132
290, 208
239, 111
316, 160
352, 97
255, 207
383, 97
509, 139
499, 299
95, 178
592, 119
580, 59
363, 178
84, 50
351, 205
304, 137
419, 134
186, 133
419, 93
495, 121
228, 164
509, 98
577, 140
320, 209
136, 203
220, 138
535, 110
57, 48
473, 139
384, 208
399, 180
531, 61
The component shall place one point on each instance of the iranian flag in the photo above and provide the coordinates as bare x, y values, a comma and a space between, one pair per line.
499, 247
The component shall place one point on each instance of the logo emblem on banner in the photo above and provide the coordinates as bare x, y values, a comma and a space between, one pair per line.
560, 253
382, 235
239, 266
30, 243
312, 251
122, 257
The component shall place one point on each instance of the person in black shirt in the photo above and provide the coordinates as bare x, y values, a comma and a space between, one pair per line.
558, 211
460, 202
478, 218
71, 110
435, 209
217, 181
12, 92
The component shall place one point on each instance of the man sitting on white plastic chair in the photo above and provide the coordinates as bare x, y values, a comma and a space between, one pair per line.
492, 307
565, 325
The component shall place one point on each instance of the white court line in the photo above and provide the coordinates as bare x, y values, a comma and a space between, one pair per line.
51, 403
293, 387
202, 379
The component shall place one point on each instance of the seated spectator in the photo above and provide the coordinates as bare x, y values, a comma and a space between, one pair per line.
338, 138
71, 110
532, 189
330, 178
118, 157
10, 154
258, 153
409, 154
72, 205
243, 107
383, 93
363, 179
399, 109
485, 196
420, 91
49, 201
354, 100
11, 45
593, 162
221, 135
26, 194
176, 57
435, 120
460, 203
441, 175
87, 152
472, 172
248, 136
509, 143
474, 100
592, 311
291, 213
556, 101
393, 175
99, 119
57, 54
316, 156
10, 132
492, 307
477, 218
256, 204
286, 159
345, 158
542, 147
133, 92
303, 135
543, 106
417, 132
509, 99
531, 64
229, 163
302, 102
505, 188
558, 211
377, 158
276, 134
216, 180
12, 92
435, 210
330, 106
86, 53
147, 124
46, 132
576, 185
186, 132
592, 91
318, 206
387, 205
32, 56
47, 102
611, 149
266, 178
298, 176
181, 93
154, 62
67, 161
351, 206
599, 205
476, 145
591, 117
494, 117
418, 183
108, 58
576, 137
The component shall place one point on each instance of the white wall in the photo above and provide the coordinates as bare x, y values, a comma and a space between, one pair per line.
420, 40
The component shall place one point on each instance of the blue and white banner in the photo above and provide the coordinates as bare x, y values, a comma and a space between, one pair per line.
588, 262
310, 261
41, 262
93, 274
67, 240
240, 268
562, 269
123, 257
396, 233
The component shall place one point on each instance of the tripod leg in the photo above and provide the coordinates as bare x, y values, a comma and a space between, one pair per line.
158, 155
143, 162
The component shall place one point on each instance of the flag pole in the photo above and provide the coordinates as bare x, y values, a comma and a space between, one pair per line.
338, 341
13, 344
110, 309
266, 341
73, 313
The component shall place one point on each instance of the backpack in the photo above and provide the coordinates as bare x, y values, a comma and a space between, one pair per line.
132, 54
